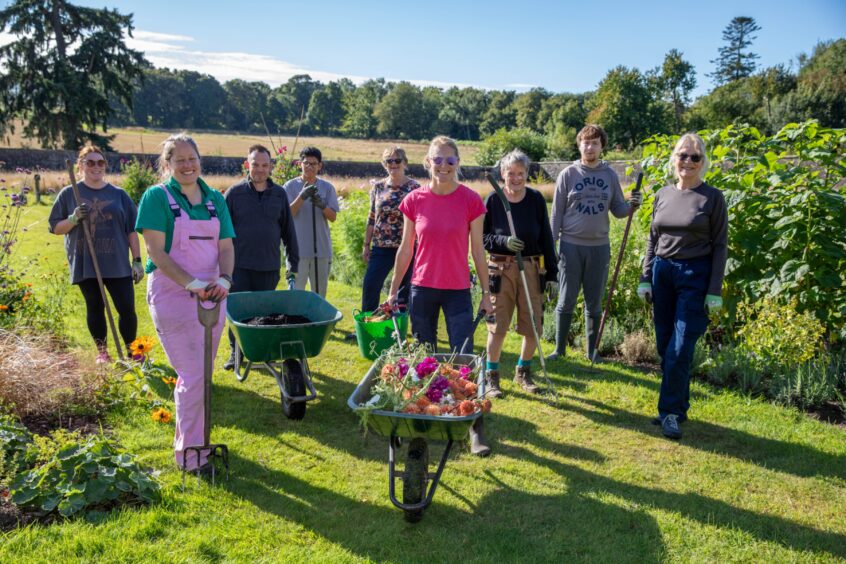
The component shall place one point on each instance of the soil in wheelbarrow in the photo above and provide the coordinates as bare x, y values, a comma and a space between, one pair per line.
276, 319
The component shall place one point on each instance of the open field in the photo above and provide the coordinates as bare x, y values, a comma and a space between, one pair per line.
588, 479
140, 140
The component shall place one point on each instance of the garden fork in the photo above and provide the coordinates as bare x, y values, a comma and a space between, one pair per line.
208, 318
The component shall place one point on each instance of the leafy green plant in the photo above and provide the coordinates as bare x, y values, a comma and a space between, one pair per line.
17, 448
810, 384
137, 177
285, 167
776, 335
85, 476
348, 238
504, 140
787, 213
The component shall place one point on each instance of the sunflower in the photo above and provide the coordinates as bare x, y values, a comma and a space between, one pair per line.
141, 346
161, 415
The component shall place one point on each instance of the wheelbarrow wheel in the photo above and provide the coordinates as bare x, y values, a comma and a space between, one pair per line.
416, 472
295, 384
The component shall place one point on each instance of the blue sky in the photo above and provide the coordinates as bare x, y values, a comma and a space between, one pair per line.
561, 46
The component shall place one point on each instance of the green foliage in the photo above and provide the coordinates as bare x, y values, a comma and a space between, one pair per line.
285, 167
17, 449
787, 213
348, 238
495, 146
94, 474
735, 60
811, 384
66, 61
777, 336
137, 177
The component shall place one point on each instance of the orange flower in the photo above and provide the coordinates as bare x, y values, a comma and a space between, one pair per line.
169, 381
161, 415
141, 346
4, 307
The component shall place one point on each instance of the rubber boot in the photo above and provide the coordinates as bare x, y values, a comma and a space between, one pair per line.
478, 444
591, 328
562, 329
492, 381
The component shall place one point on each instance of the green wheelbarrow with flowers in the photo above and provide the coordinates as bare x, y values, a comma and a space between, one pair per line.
411, 394
283, 349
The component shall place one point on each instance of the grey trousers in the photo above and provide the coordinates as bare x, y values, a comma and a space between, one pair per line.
582, 266
306, 273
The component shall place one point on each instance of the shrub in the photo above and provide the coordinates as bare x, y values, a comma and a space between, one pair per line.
612, 337
285, 168
776, 335
493, 147
809, 385
17, 449
638, 346
348, 238
137, 177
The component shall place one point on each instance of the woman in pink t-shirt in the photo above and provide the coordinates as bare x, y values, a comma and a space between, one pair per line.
445, 219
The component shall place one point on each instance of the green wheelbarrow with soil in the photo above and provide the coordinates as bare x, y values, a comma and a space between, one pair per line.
301, 324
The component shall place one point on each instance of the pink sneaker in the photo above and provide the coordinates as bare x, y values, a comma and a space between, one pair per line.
103, 358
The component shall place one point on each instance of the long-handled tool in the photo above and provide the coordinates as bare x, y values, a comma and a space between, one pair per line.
89, 240
519, 257
314, 239
208, 319
616, 272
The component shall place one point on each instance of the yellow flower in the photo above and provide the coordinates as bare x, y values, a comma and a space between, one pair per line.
161, 415
169, 381
142, 345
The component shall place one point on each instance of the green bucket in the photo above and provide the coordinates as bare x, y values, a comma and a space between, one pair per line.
376, 336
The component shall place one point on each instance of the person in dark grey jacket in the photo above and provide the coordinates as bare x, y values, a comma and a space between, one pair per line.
262, 219
584, 194
683, 272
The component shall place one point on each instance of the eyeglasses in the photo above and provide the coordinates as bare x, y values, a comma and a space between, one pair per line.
393, 161
451, 161
91, 163
310, 163
694, 158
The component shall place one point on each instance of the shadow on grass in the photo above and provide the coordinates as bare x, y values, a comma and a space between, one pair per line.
791, 458
707, 511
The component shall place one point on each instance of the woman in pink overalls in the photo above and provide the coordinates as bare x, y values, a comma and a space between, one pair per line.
188, 234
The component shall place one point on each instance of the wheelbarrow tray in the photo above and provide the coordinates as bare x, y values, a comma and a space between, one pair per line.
270, 343
410, 425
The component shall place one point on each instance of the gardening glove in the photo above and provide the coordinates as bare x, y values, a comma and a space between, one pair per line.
644, 292
318, 202
196, 286
551, 289
137, 271
291, 278
635, 199
308, 191
713, 303
514, 245
80, 212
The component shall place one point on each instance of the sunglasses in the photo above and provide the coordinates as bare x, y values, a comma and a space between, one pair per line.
393, 161
92, 163
310, 163
694, 158
451, 161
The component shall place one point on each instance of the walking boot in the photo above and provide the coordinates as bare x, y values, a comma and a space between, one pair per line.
523, 377
478, 444
492, 381
591, 329
562, 329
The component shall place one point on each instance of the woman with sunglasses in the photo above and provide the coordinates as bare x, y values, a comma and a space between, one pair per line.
445, 219
110, 214
384, 229
683, 272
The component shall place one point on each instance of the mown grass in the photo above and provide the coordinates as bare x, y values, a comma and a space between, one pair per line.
141, 140
588, 479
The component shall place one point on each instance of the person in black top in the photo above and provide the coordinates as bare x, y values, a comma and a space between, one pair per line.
686, 255
534, 240
262, 218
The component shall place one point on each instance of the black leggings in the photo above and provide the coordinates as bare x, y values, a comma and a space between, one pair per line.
123, 296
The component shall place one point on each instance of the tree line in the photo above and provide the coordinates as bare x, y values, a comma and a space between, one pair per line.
64, 98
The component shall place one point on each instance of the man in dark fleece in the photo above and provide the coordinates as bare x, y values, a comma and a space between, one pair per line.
584, 194
262, 218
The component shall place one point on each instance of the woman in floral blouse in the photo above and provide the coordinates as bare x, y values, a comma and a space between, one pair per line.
384, 229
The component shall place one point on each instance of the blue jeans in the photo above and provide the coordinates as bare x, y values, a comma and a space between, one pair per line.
678, 293
380, 264
426, 304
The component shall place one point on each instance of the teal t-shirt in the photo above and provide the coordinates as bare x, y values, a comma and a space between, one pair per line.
154, 212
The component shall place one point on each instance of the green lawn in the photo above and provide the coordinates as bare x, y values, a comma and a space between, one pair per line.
588, 479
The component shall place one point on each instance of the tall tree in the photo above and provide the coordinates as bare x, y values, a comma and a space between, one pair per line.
359, 105
676, 80
736, 60
59, 72
527, 107
325, 109
398, 113
500, 112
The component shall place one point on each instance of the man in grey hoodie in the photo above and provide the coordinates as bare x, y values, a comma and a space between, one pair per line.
584, 194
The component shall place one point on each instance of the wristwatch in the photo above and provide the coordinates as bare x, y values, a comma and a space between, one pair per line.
226, 277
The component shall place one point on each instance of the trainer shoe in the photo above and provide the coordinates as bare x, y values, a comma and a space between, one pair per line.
670, 427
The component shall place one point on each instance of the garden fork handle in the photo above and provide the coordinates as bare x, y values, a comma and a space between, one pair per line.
208, 318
